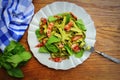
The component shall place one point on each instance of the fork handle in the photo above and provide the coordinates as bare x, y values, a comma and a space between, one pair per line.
109, 57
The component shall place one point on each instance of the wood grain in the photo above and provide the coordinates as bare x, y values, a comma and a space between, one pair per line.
106, 17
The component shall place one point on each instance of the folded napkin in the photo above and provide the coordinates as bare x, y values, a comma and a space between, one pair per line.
15, 15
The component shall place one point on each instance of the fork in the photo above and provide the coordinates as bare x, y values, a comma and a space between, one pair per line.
92, 49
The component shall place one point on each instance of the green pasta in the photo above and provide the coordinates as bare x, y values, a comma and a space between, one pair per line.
61, 35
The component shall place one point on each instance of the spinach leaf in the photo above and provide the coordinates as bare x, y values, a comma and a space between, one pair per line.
80, 53
18, 49
37, 32
10, 47
69, 50
14, 60
25, 56
52, 18
6, 65
43, 49
67, 18
53, 39
15, 72
80, 24
13, 57
51, 47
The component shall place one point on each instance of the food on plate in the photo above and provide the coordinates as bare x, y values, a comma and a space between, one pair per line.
61, 35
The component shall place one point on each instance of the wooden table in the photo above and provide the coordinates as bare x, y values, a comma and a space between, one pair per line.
106, 16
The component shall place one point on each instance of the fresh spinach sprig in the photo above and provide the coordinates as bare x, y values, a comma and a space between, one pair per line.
13, 57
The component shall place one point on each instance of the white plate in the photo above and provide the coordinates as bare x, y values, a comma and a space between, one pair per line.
52, 9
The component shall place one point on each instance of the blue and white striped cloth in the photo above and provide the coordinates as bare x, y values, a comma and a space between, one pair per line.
15, 15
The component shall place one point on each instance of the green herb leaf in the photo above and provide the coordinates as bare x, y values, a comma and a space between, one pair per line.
14, 56
10, 47
18, 49
15, 72
67, 18
14, 60
53, 39
52, 47
69, 50
43, 49
81, 25
37, 32
7, 66
25, 56
79, 54
52, 18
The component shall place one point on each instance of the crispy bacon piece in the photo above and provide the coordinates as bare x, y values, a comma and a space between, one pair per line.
75, 47
41, 30
57, 59
60, 45
41, 43
73, 15
68, 26
49, 29
44, 41
44, 21
58, 17
76, 37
